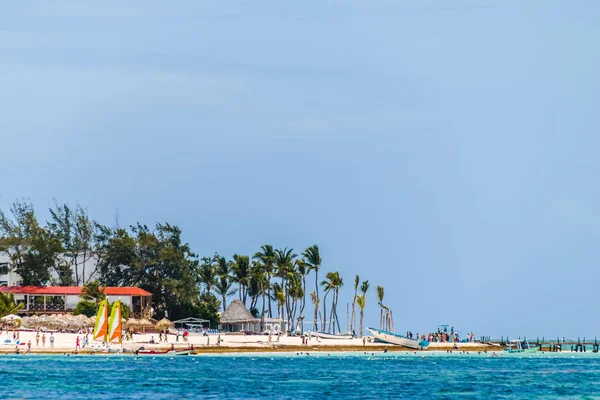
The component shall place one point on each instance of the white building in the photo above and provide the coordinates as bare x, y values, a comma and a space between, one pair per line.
7, 276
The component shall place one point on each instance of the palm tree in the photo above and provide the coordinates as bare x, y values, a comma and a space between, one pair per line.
224, 281
380, 293
333, 282
241, 274
284, 259
302, 269
92, 291
313, 260
8, 305
315, 300
267, 257
353, 318
361, 300
223, 288
207, 273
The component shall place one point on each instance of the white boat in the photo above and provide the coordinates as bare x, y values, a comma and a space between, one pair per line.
143, 352
394, 338
323, 335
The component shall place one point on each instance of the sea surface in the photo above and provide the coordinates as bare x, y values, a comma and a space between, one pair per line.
298, 376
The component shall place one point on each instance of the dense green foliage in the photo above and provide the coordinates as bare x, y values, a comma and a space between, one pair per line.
87, 308
8, 305
271, 283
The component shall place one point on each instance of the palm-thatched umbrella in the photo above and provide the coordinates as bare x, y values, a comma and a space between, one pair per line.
132, 323
164, 324
92, 321
144, 323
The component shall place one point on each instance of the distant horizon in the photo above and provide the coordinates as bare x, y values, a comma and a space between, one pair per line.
443, 150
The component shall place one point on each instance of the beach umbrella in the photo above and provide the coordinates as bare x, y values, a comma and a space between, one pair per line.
13, 320
144, 323
164, 324
132, 323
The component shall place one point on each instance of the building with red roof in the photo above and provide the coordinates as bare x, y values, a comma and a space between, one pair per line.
56, 299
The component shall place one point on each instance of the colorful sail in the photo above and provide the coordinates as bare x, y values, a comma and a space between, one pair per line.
101, 328
115, 324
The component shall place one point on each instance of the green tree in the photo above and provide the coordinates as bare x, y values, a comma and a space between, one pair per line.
361, 301
241, 275
93, 292
207, 273
33, 249
380, 294
266, 256
87, 308
8, 305
353, 318
312, 259
224, 283
332, 284
208, 308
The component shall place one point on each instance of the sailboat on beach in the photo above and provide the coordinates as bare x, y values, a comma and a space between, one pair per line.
109, 330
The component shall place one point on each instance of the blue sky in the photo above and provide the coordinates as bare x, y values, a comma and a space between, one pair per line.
446, 150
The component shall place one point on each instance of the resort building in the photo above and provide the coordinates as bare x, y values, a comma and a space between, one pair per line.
84, 270
57, 299
7, 275
237, 318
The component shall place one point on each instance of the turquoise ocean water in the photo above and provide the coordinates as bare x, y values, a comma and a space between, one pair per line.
391, 375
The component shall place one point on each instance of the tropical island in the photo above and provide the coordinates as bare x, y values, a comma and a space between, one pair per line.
55, 274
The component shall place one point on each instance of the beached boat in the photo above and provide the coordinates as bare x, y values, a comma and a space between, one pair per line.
323, 335
520, 346
144, 352
394, 338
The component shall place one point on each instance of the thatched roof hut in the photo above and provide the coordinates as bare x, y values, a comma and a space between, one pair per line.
237, 318
164, 324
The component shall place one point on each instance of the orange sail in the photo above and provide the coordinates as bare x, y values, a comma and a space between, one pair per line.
115, 326
101, 328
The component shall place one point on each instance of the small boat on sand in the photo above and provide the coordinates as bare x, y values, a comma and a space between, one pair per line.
144, 352
324, 335
394, 338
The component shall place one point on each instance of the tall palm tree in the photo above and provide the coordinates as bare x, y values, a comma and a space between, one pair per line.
353, 318
8, 305
313, 260
361, 300
315, 300
332, 283
207, 273
380, 293
224, 280
241, 274
284, 259
267, 258
302, 269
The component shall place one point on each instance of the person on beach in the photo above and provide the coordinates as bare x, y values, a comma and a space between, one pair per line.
177, 336
44, 339
165, 336
278, 336
76, 343
52, 340
160, 337
207, 341
37, 338
219, 340
270, 337
29, 346
364, 341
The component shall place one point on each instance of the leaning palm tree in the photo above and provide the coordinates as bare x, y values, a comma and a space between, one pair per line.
241, 274
313, 260
380, 293
267, 258
8, 305
315, 300
92, 291
361, 301
353, 318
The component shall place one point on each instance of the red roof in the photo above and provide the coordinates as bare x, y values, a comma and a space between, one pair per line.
72, 290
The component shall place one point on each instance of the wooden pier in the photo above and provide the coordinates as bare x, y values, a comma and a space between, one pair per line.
559, 344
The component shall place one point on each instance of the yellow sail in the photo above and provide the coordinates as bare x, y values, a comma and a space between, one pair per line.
115, 324
101, 328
